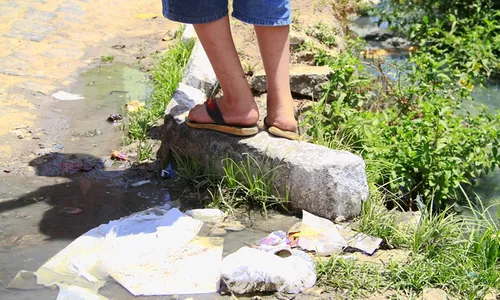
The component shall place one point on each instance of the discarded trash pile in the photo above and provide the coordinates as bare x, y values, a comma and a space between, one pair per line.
159, 252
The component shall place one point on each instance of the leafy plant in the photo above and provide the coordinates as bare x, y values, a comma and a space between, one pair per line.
107, 59
408, 122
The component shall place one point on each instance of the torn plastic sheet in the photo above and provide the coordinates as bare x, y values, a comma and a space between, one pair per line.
149, 253
320, 235
24, 280
68, 292
193, 270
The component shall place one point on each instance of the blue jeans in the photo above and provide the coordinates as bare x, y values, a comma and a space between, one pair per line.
256, 12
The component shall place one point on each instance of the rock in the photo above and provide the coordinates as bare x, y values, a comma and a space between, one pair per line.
314, 291
206, 215
434, 294
250, 270
217, 231
199, 72
492, 295
297, 39
384, 257
408, 220
396, 42
304, 80
329, 187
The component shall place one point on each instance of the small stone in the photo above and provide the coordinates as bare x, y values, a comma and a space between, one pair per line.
304, 80
233, 226
297, 39
118, 47
434, 294
314, 291
492, 295
217, 231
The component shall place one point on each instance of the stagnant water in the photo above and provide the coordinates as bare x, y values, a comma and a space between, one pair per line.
33, 224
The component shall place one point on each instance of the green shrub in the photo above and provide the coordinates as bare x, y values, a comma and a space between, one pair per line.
408, 123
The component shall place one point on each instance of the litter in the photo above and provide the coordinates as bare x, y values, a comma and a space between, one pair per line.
275, 243
67, 292
118, 156
134, 106
167, 173
64, 96
168, 261
114, 118
24, 280
206, 214
320, 235
70, 210
251, 270
361, 241
142, 182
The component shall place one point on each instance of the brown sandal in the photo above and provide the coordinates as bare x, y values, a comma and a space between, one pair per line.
220, 124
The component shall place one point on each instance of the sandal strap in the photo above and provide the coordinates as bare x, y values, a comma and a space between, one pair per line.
214, 112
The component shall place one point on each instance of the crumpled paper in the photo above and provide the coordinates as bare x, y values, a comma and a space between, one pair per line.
320, 235
154, 252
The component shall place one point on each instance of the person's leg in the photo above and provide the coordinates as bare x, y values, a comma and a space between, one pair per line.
274, 44
237, 105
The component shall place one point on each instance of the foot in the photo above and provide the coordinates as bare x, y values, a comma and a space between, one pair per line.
283, 115
234, 113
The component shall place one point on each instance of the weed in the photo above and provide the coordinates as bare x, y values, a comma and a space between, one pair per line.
249, 68
346, 275
144, 151
324, 33
107, 59
189, 168
448, 252
165, 78
246, 183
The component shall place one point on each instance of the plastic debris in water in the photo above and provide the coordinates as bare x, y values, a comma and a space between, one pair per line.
116, 155
64, 96
167, 173
115, 118
134, 106
70, 210
139, 183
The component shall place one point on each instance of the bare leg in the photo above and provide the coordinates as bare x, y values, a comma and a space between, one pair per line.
274, 44
237, 106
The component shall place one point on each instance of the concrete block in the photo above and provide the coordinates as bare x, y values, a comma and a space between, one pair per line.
304, 80
325, 182
199, 72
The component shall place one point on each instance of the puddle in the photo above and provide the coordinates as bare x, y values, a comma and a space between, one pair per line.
106, 90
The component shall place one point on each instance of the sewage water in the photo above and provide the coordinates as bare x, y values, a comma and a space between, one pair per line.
33, 225
106, 90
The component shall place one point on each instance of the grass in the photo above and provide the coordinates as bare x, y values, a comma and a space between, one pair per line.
459, 255
107, 59
244, 183
165, 78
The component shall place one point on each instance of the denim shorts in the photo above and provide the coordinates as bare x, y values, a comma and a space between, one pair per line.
256, 12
